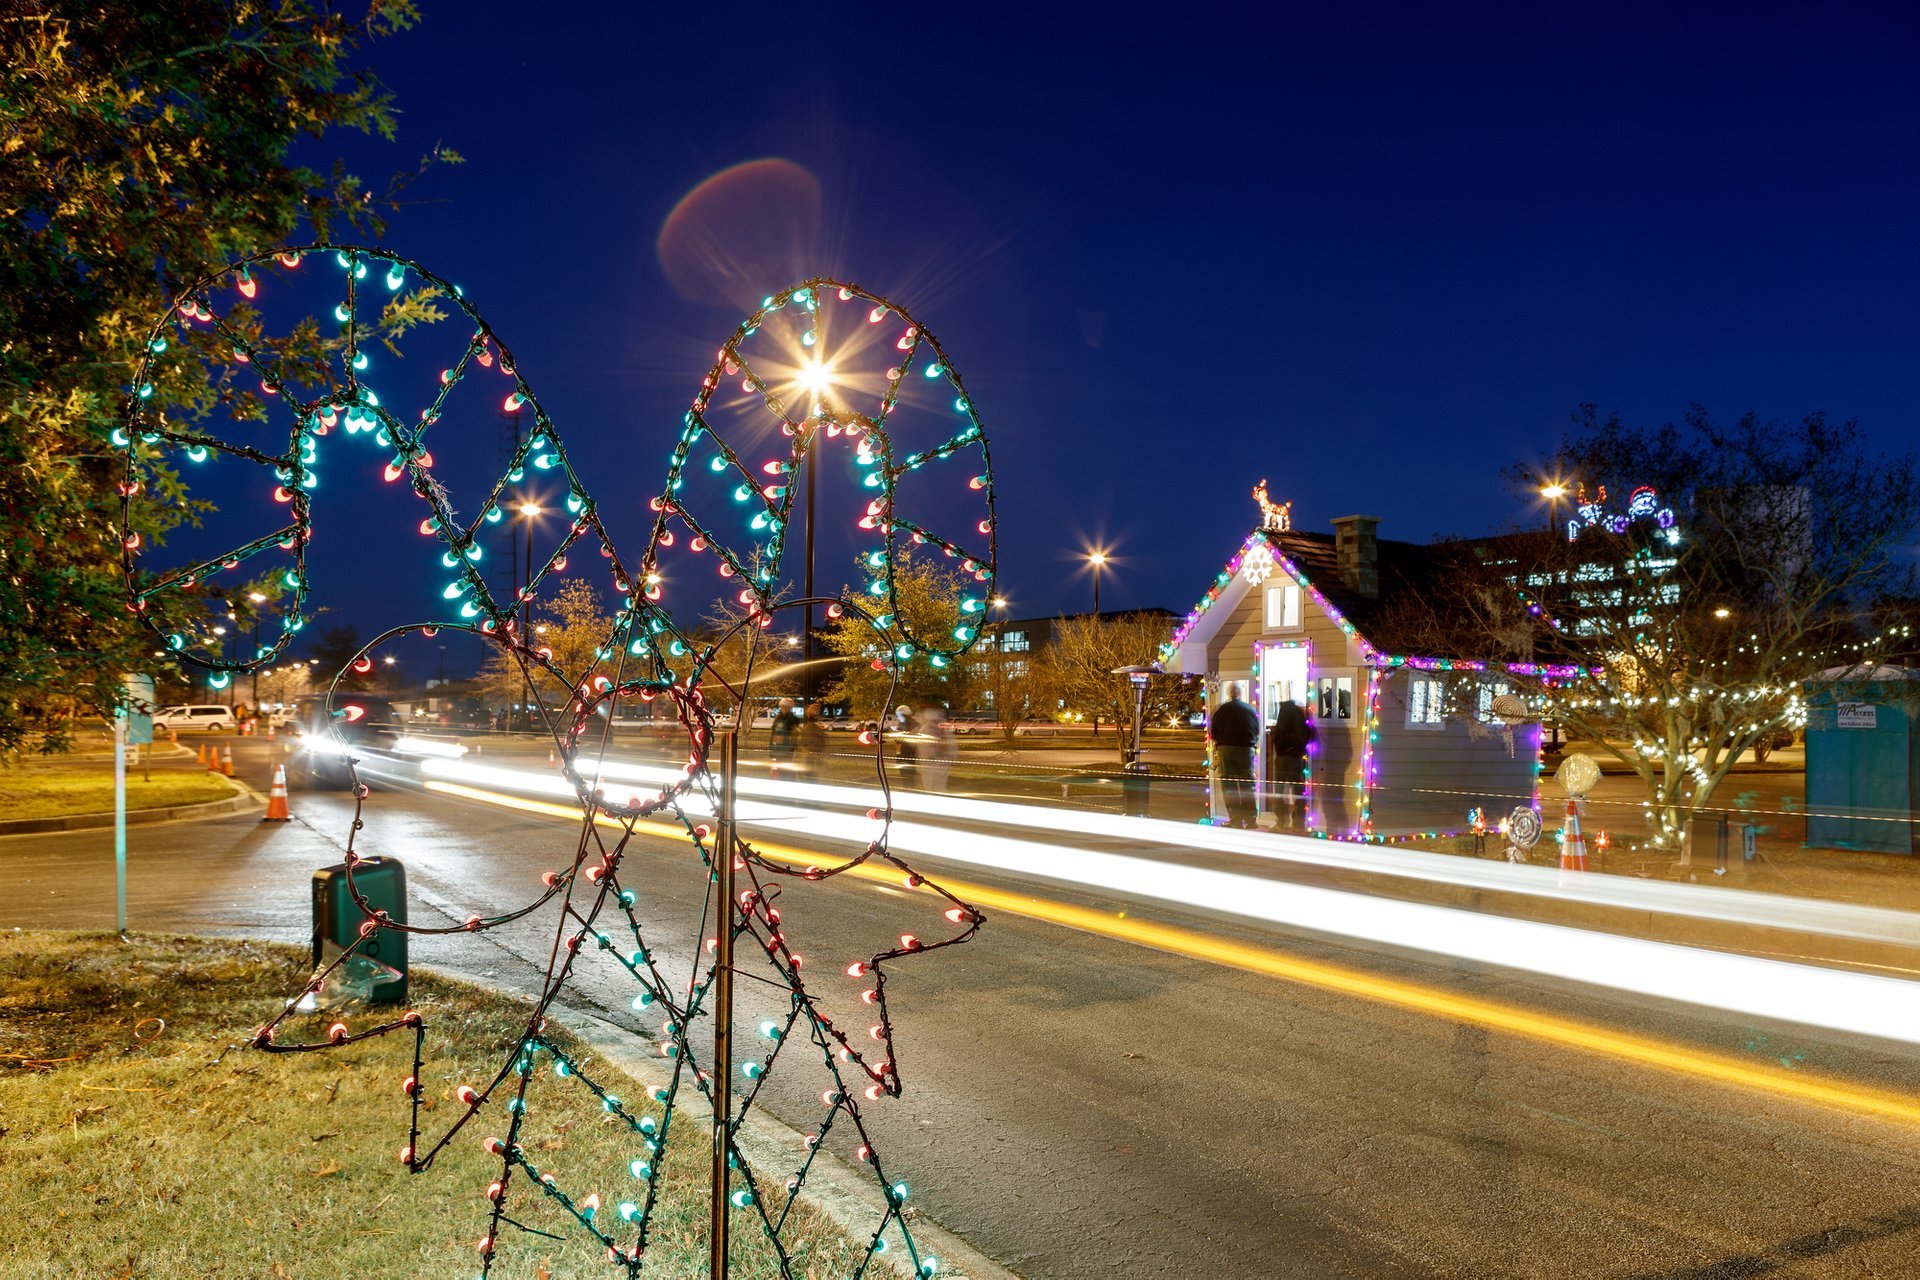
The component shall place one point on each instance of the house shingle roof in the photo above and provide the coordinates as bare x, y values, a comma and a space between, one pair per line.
1400, 619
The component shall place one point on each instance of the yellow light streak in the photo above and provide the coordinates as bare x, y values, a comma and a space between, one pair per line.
1717, 1068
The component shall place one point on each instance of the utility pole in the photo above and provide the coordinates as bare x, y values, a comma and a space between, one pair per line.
726, 749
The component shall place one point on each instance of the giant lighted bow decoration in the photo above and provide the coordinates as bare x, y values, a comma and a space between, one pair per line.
321, 383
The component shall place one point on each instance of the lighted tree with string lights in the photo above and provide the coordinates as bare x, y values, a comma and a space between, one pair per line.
722, 515
1703, 579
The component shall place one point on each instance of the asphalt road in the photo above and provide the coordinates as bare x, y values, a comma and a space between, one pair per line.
1080, 1106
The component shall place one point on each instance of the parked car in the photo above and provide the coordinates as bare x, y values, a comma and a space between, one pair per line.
207, 717
354, 723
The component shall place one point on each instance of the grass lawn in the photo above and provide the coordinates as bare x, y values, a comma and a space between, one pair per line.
143, 1140
54, 791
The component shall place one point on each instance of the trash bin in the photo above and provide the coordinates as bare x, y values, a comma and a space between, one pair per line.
1133, 789
378, 970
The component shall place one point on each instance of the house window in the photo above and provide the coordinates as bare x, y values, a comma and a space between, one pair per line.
1335, 698
1014, 642
1425, 695
1483, 701
1283, 606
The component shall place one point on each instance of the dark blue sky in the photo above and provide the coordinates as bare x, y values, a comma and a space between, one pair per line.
1372, 257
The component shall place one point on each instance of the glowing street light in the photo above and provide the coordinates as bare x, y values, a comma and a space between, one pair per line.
1553, 491
1098, 559
816, 377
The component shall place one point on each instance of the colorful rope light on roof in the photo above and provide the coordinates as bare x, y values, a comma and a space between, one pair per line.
322, 384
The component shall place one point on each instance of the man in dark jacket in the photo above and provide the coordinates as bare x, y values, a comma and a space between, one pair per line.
1287, 744
1233, 730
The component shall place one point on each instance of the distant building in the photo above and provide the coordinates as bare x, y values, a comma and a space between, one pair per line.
1019, 642
1408, 742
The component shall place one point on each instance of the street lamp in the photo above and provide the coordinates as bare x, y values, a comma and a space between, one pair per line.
816, 379
525, 514
1553, 491
528, 511
1098, 560
256, 599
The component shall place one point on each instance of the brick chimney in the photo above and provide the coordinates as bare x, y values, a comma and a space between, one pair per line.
1359, 552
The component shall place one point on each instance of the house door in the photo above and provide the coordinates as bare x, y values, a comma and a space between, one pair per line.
1284, 677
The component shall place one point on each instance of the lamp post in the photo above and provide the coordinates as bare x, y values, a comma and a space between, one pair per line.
1553, 491
222, 633
256, 599
1098, 560
524, 515
817, 378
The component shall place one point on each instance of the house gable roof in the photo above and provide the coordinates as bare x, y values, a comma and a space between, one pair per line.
1313, 561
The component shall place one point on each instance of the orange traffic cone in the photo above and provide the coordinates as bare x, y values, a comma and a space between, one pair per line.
269, 731
1573, 848
226, 765
201, 756
277, 797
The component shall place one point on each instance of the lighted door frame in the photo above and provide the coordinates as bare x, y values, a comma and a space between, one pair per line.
1265, 700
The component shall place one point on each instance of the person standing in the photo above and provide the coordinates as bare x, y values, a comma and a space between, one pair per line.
940, 749
1287, 742
781, 734
1234, 729
812, 738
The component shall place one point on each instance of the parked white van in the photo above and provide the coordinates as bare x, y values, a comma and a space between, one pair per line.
206, 717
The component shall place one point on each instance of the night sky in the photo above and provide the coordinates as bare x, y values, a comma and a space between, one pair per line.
1372, 257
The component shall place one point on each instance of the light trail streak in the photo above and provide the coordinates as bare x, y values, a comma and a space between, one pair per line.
1836, 1000
1703, 902
1716, 1068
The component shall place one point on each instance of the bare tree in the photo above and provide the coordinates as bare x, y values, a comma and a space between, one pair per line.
1078, 668
1011, 685
1706, 580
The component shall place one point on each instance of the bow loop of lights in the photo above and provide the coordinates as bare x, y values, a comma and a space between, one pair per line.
822, 375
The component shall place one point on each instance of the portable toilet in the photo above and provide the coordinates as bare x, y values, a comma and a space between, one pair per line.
1863, 773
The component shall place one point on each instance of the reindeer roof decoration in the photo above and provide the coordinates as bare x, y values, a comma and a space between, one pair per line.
1274, 517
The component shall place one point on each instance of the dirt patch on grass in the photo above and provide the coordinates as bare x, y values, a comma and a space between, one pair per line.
141, 1139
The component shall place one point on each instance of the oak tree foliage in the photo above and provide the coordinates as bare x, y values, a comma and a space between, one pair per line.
929, 592
141, 145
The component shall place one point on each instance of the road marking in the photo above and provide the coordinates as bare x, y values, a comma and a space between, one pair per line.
1703, 1064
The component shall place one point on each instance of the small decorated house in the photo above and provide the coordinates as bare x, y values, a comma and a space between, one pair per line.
1408, 742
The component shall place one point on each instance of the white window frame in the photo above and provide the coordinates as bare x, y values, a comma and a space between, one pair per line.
1426, 702
1287, 593
1483, 699
1334, 683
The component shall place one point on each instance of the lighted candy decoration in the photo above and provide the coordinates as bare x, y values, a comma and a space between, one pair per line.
1522, 829
637, 660
1642, 504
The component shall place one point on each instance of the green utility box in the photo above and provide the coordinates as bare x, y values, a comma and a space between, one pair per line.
377, 972
1863, 771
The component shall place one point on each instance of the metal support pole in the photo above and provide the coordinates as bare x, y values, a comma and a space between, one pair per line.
806, 587
120, 818
727, 750
1139, 701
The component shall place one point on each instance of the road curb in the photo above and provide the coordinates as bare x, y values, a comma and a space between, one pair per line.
243, 799
845, 1195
